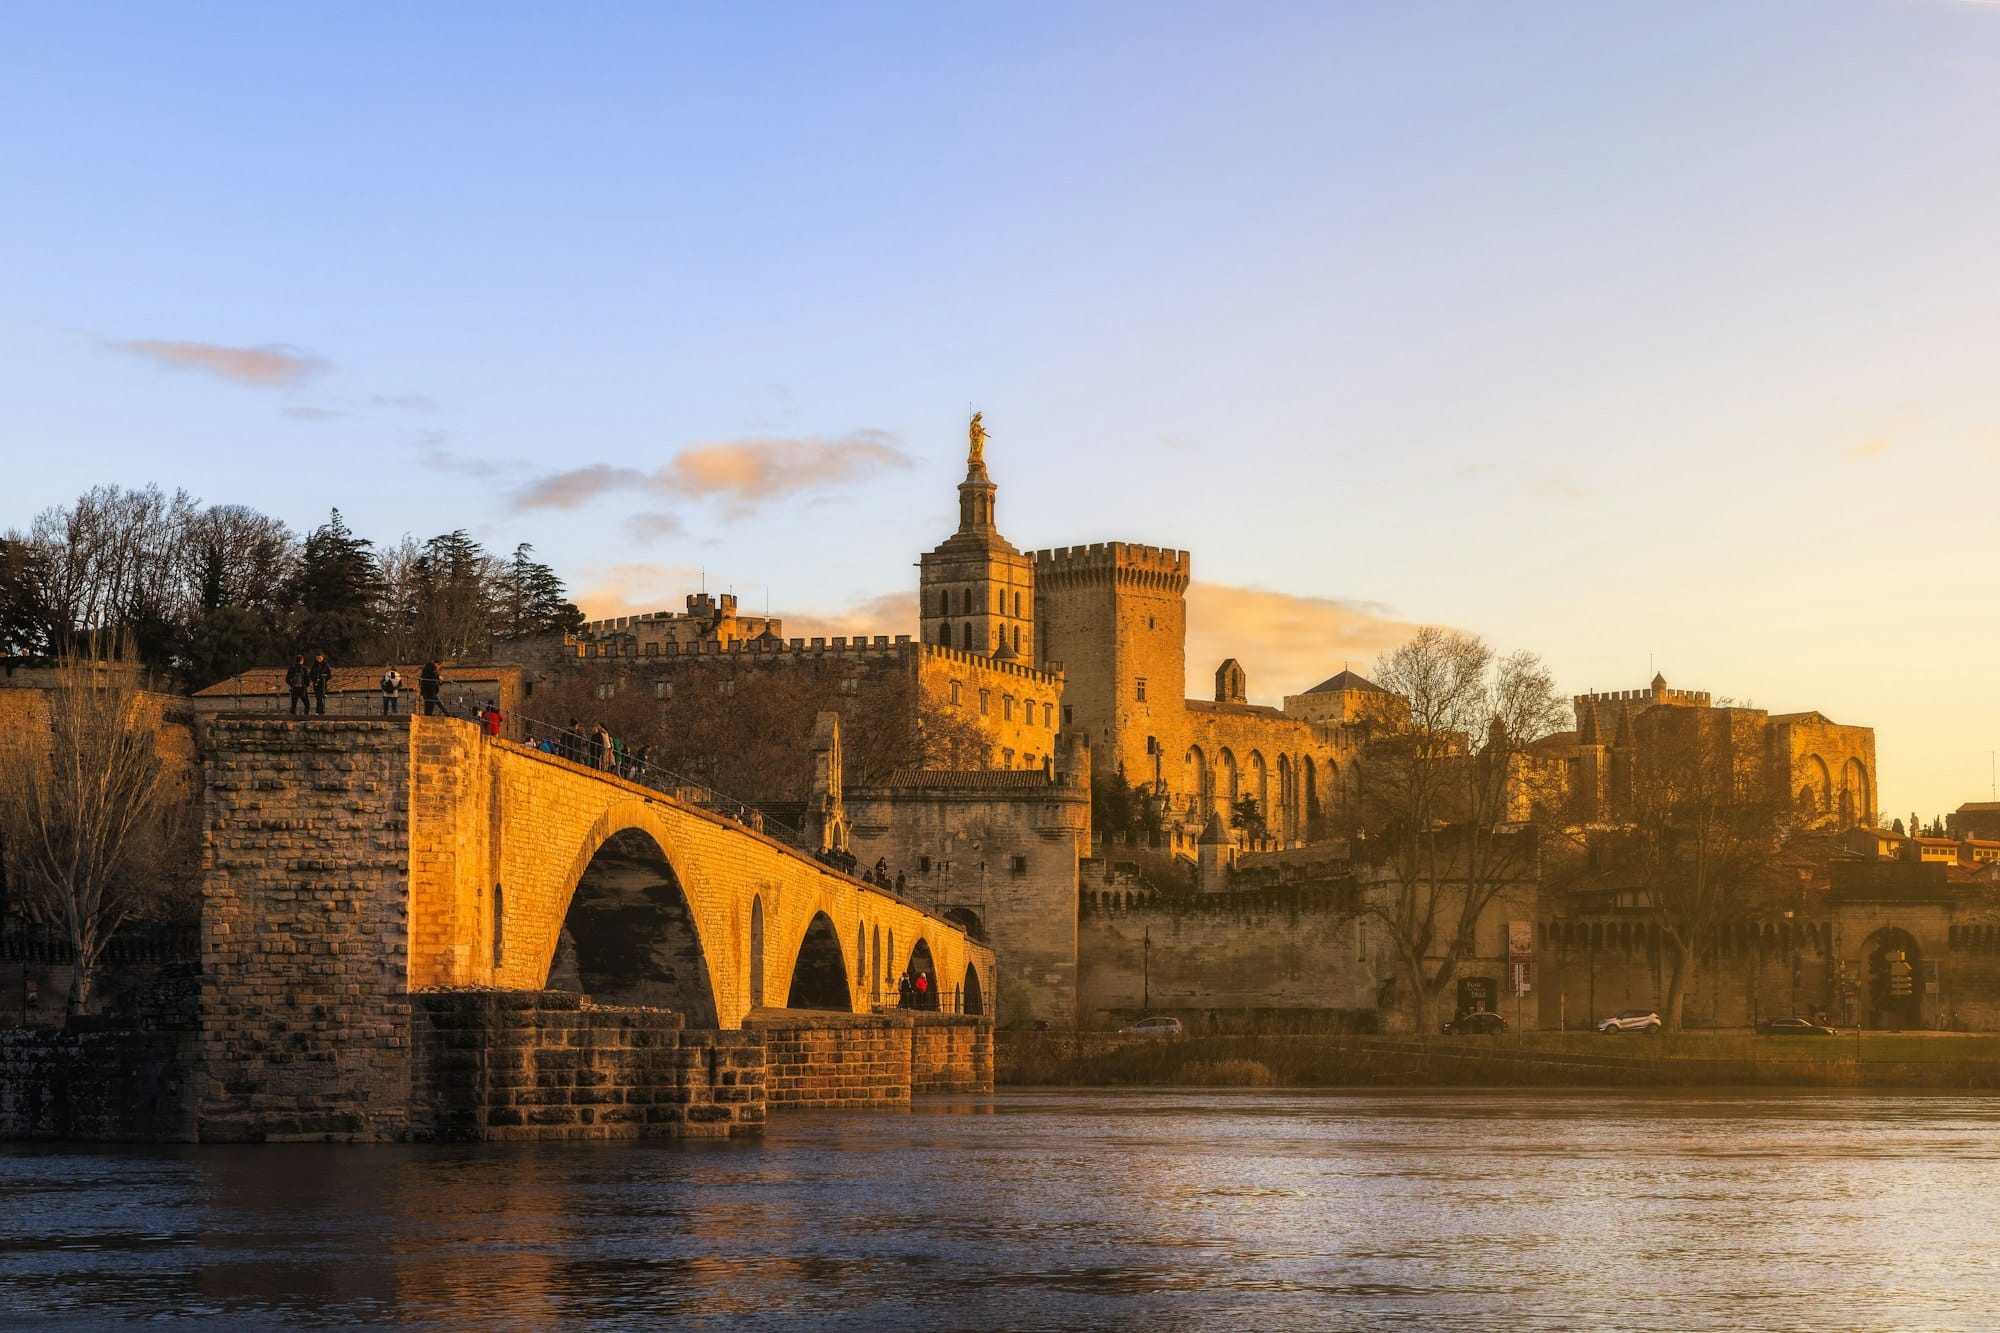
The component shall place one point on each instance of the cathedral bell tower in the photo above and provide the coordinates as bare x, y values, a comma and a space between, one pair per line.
976, 592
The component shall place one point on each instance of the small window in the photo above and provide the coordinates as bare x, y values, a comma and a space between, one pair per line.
725, 687
1019, 864
663, 689
985, 702
1139, 689
606, 690
955, 687
852, 685
923, 865
1006, 758
1069, 715
528, 689
1017, 606
653, 648
1007, 707
1017, 638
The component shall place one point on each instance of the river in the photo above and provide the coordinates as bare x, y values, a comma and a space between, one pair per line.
1063, 1210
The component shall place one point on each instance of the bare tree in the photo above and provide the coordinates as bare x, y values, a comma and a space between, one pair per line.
1455, 798
89, 814
1703, 841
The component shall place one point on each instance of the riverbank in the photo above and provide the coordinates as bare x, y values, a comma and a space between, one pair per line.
1954, 1062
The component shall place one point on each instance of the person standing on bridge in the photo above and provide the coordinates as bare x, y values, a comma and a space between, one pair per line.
572, 741
296, 679
598, 739
429, 681
392, 684
321, 676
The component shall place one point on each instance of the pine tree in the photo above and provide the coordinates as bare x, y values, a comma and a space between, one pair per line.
533, 599
337, 591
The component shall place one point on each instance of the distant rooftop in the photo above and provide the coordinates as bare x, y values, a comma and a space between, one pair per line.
1346, 680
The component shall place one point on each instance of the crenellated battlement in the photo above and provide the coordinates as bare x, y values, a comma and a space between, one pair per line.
881, 645
1051, 675
1685, 698
1161, 559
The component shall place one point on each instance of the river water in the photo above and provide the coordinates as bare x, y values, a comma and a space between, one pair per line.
1062, 1210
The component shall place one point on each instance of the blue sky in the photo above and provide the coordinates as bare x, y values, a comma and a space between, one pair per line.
1636, 335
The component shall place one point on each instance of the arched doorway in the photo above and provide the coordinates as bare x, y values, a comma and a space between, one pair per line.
1895, 979
819, 978
921, 965
972, 1002
629, 937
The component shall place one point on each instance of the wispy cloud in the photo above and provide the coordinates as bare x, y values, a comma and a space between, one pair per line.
403, 402
576, 487
632, 588
260, 367
1558, 487
1874, 448
741, 474
306, 413
654, 525
434, 452
748, 472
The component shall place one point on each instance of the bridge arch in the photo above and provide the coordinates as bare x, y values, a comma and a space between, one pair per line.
973, 997
628, 933
819, 974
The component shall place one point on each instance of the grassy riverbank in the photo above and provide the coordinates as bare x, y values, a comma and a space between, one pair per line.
1939, 1061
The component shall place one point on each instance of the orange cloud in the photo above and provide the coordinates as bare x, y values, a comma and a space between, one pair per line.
1286, 643
745, 473
262, 367
1869, 449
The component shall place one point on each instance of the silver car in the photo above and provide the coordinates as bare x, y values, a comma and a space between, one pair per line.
1153, 1027
1632, 1020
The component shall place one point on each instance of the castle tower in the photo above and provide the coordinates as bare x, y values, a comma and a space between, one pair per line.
1115, 615
976, 592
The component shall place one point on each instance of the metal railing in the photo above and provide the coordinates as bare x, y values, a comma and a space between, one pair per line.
580, 749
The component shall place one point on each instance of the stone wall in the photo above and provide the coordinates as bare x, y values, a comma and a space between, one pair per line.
1232, 962
1003, 846
123, 1080
304, 932
494, 1065
856, 1062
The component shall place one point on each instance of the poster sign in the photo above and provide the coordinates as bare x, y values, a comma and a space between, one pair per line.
1521, 954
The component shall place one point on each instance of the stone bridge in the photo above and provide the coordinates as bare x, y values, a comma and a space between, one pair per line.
351, 862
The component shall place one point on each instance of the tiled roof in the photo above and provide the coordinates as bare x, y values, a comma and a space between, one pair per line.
1239, 710
969, 779
346, 680
1346, 680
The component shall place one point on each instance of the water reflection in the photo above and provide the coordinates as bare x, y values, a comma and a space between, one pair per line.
1064, 1210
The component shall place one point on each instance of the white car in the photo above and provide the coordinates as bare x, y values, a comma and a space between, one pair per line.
1632, 1020
1153, 1027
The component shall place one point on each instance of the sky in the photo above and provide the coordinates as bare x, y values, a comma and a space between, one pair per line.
1640, 336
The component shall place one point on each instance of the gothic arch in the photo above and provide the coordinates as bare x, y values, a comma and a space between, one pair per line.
1815, 786
1857, 802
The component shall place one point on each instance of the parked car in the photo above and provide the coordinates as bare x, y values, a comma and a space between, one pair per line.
1153, 1027
1794, 1027
1483, 1024
1632, 1020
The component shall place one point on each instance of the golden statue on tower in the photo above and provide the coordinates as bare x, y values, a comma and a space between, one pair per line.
977, 432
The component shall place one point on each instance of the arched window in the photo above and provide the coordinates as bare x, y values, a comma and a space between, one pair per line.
965, 636
944, 602
1017, 638
967, 607
757, 952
